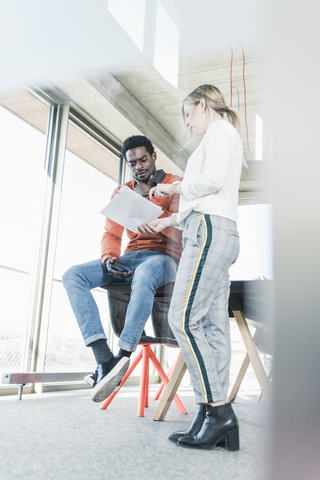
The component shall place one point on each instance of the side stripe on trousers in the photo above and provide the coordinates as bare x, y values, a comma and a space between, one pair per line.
185, 315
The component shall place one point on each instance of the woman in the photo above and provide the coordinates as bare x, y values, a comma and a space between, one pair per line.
207, 214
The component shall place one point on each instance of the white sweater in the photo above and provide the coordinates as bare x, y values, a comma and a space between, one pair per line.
212, 176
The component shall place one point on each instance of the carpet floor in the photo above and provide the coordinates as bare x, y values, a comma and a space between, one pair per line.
65, 436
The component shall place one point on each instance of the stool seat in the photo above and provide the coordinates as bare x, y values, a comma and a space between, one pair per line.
169, 342
163, 293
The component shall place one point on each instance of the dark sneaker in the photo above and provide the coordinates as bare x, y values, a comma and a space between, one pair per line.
90, 379
108, 376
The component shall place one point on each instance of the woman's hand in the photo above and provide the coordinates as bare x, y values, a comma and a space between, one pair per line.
157, 225
164, 190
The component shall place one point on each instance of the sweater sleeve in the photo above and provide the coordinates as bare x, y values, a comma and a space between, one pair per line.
172, 232
217, 151
112, 237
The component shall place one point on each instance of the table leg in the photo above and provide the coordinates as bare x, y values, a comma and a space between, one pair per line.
243, 370
253, 354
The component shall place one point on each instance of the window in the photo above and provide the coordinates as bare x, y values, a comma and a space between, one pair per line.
85, 192
22, 152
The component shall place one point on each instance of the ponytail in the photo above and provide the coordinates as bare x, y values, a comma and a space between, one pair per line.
214, 99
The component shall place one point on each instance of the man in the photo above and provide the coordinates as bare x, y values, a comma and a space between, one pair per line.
148, 263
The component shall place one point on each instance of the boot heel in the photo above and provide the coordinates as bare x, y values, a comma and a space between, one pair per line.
233, 440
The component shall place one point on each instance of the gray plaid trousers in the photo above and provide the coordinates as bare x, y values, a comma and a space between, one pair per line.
198, 312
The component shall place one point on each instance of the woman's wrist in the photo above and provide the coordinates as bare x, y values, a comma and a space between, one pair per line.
177, 187
172, 221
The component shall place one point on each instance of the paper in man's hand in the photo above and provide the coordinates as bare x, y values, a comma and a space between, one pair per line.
129, 209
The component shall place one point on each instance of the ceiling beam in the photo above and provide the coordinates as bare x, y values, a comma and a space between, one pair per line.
121, 99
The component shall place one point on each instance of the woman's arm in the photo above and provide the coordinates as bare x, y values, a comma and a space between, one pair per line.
158, 225
164, 190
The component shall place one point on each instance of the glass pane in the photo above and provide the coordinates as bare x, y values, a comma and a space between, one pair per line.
255, 261
256, 251
85, 192
22, 152
66, 351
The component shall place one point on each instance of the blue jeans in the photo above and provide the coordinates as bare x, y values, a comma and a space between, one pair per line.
152, 269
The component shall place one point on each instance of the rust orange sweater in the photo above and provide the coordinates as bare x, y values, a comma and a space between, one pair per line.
168, 241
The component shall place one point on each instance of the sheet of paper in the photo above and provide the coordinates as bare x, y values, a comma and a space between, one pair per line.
130, 209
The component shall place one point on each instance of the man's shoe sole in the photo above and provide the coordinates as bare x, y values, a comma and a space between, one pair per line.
90, 381
110, 382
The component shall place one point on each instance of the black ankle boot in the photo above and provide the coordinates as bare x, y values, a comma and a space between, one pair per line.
195, 426
220, 423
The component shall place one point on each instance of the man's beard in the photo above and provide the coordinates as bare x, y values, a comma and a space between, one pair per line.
144, 180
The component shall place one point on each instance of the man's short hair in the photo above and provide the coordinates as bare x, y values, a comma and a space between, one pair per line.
136, 141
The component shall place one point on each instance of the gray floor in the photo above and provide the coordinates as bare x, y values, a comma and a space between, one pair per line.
66, 436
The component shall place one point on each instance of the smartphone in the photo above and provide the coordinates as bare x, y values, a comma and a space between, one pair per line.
118, 269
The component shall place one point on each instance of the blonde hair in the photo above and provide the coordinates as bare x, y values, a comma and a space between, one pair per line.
213, 99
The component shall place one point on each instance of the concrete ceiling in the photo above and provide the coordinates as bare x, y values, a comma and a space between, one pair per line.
97, 62
138, 100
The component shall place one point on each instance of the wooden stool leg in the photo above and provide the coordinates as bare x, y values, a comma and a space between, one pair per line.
170, 390
173, 366
165, 380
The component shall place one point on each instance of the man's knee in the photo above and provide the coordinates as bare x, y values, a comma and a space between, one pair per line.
71, 277
143, 280
154, 273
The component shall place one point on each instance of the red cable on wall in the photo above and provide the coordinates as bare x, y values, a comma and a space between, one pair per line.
231, 77
245, 100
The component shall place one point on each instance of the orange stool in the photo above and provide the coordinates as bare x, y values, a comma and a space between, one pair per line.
119, 297
145, 354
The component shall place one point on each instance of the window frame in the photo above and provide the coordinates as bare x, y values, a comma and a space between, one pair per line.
61, 112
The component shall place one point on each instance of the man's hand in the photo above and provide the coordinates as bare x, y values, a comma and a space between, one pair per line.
157, 225
114, 271
142, 188
164, 190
